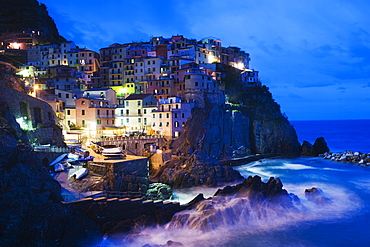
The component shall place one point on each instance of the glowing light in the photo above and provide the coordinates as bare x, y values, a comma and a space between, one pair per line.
15, 45
240, 65
122, 91
22, 121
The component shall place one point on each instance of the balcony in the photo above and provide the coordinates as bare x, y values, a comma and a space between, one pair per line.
102, 106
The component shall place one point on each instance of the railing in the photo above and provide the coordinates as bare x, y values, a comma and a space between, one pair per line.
53, 149
149, 137
122, 194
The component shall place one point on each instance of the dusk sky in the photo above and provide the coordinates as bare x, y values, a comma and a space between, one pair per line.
313, 55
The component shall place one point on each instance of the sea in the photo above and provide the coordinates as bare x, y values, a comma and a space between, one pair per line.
343, 220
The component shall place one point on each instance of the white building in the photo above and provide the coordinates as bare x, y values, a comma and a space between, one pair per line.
135, 114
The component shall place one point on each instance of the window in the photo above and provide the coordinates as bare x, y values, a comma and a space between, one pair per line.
183, 115
145, 121
175, 115
139, 120
153, 115
160, 124
83, 102
167, 115
98, 113
112, 113
127, 120
127, 103
83, 122
68, 112
98, 121
83, 112
144, 111
176, 124
127, 112
167, 124
67, 96
59, 95
121, 112
138, 102
160, 115
113, 121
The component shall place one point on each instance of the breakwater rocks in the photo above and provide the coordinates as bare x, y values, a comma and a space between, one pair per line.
358, 158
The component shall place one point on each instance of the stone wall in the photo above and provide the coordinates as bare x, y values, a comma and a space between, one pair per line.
123, 175
33, 115
134, 145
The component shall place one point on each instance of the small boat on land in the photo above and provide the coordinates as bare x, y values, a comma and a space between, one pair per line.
84, 159
111, 151
58, 159
59, 167
79, 173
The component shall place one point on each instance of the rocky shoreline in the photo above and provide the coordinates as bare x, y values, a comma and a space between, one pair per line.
358, 158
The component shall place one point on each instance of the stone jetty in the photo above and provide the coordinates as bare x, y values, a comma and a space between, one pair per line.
348, 156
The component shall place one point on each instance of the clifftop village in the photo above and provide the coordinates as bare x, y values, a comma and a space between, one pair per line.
144, 88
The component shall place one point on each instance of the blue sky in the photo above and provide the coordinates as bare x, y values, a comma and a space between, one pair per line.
313, 55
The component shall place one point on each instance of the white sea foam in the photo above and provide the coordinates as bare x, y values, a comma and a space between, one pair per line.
215, 222
292, 166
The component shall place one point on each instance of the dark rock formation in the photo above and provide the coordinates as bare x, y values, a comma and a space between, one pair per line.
306, 149
28, 15
169, 243
319, 147
240, 204
31, 210
258, 191
126, 216
197, 170
316, 195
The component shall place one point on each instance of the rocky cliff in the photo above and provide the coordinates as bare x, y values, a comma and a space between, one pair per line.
251, 123
28, 15
32, 213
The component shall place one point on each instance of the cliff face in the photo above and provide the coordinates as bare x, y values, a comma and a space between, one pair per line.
31, 210
38, 118
251, 124
28, 15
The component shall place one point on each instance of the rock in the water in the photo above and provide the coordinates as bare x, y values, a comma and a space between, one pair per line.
306, 149
320, 146
258, 191
316, 195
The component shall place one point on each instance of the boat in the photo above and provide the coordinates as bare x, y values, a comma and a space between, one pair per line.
58, 159
73, 156
79, 173
59, 167
84, 159
111, 151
